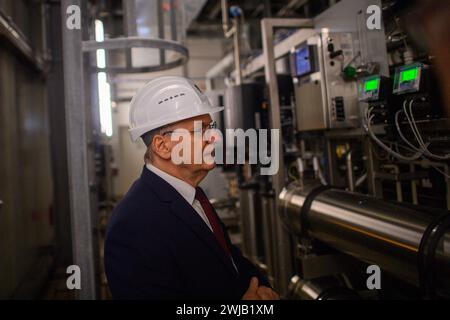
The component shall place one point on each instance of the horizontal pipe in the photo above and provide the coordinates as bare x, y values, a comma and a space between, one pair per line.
375, 231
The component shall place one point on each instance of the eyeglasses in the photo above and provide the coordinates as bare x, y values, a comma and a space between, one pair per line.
212, 125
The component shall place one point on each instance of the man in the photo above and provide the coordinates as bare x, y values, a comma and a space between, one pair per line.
164, 240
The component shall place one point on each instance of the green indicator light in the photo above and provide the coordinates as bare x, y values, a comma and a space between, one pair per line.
408, 75
372, 84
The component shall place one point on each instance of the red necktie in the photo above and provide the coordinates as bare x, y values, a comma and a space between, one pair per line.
212, 217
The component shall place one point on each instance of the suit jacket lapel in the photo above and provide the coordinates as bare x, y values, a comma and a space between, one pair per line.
186, 213
190, 217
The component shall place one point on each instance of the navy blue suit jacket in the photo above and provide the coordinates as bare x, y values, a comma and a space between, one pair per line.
158, 247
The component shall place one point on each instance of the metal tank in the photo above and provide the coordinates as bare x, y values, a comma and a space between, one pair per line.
242, 106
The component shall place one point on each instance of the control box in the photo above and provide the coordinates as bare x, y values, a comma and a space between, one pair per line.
376, 92
324, 98
410, 78
417, 82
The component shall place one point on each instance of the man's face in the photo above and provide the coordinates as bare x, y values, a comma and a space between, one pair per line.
189, 134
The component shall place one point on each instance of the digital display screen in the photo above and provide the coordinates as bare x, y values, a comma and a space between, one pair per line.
408, 78
302, 61
372, 85
409, 74
369, 88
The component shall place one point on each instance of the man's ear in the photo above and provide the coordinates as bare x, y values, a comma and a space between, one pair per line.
161, 147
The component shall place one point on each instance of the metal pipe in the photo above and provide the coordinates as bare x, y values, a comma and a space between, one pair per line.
235, 32
398, 184
225, 16
283, 255
247, 210
129, 26
219, 68
326, 288
237, 51
267, 212
372, 230
350, 175
173, 21
161, 34
129, 23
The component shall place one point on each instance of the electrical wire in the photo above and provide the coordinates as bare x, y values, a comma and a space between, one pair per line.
412, 124
397, 124
410, 147
419, 138
384, 146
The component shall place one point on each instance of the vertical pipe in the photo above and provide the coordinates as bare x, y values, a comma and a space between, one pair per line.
237, 50
350, 174
267, 215
374, 185
332, 164
77, 128
160, 18
283, 269
398, 184
129, 26
173, 21
225, 16
247, 202
415, 199
129, 23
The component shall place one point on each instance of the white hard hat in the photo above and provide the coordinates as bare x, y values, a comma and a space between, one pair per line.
166, 100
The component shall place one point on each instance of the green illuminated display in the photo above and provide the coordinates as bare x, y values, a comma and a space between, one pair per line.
409, 74
372, 85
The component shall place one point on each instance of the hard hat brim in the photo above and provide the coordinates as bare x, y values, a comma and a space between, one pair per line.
137, 132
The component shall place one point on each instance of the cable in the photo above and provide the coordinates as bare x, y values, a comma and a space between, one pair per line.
386, 148
400, 131
412, 124
412, 148
416, 132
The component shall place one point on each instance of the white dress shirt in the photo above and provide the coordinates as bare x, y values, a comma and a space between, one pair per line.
186, 191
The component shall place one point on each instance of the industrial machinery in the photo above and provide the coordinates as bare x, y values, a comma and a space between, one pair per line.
364, 151
379, 232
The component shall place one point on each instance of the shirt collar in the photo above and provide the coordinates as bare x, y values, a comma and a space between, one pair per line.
184, 189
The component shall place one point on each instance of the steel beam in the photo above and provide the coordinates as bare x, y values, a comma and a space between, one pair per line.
284, 267
77, 113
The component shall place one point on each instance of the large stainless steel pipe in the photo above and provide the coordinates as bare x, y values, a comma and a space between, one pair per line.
376, 231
